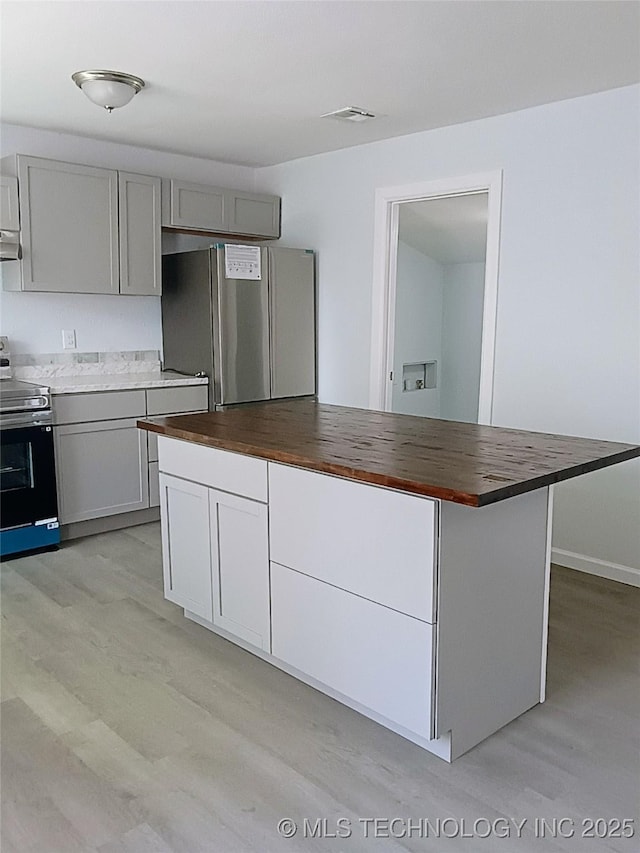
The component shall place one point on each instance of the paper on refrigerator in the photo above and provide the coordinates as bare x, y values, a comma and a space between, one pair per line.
242, 262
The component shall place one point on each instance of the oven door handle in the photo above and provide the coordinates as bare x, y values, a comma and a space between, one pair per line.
43, 403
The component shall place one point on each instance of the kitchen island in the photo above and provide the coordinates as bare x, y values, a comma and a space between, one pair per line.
398, 564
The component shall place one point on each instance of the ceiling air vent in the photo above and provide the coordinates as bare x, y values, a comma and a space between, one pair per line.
350, 114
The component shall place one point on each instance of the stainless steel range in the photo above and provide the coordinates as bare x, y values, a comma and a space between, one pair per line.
28, 502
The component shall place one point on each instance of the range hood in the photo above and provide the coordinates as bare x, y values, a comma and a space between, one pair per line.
9, 246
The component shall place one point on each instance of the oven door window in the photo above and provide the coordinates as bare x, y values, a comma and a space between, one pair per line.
27, 476
16, 466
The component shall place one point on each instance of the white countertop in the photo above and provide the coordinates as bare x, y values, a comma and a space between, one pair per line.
118, 381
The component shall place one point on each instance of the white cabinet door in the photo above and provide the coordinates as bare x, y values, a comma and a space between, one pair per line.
186, 547
240, 566
102, 469
371, 654
69, 216
140, 235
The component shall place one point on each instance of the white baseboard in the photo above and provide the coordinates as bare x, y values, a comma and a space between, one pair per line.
601, 568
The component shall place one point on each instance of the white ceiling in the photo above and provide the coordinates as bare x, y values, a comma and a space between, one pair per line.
247, 82
450, 230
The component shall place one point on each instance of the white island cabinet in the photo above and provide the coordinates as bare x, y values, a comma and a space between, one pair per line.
214, 538
406, 568
426, 616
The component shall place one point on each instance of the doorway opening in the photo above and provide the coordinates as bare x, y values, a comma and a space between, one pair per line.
435, 298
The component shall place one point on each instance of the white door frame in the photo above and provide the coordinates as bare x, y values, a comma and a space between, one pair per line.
387, 207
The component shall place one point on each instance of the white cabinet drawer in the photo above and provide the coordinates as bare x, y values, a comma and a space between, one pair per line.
101, 406
374, 542
220, 469
371, 654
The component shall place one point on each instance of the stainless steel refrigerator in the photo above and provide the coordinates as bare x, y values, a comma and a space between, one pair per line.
244, 317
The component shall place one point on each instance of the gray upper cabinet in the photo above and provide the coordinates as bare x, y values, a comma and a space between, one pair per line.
197, 207
85, 229
9, 217
69, 219
140, 235
252, 214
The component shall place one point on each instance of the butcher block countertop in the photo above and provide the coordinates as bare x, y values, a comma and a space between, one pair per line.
465, 463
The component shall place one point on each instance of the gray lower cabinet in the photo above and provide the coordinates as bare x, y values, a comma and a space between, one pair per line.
103, 469
177, 401
86, 229
99, 406
105, 465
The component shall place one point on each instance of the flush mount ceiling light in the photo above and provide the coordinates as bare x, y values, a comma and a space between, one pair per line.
108, 89
350, 114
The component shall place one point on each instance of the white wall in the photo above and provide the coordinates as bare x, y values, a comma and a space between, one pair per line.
462, 309
418, 327
567, 355
34, 322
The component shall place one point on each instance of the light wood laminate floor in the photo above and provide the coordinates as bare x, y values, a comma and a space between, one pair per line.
126, 727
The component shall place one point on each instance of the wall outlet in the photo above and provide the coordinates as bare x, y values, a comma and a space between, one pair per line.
68, 339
